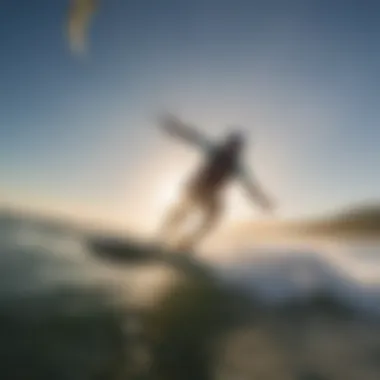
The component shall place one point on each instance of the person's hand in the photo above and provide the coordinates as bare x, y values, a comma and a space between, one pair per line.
169, 123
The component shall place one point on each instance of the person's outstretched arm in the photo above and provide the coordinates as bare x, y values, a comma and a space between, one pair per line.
255, 191
178, 129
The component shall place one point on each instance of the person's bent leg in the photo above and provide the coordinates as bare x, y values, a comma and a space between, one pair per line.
211, 213
174, 219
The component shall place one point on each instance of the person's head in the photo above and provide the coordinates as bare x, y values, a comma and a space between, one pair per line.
235, 141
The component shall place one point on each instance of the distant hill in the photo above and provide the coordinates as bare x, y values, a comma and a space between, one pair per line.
361, 220
355, 221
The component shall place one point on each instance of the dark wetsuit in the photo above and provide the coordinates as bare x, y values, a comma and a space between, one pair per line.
203, 190
219, 168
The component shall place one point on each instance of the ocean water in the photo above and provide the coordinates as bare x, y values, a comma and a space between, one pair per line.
349, 270
36, 256
65, 314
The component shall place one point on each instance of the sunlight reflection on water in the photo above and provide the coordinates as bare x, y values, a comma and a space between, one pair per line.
42, 256
35, 256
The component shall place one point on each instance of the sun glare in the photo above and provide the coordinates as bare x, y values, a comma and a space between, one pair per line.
168, 193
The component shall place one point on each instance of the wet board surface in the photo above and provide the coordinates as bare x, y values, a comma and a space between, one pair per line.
126, 251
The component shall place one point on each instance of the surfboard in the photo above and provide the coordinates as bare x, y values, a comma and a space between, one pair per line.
128, 251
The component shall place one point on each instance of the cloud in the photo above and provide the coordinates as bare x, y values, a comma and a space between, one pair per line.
81, 13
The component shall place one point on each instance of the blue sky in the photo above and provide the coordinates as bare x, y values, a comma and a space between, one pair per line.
78, 135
